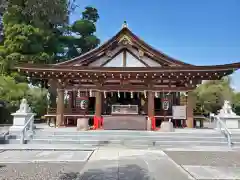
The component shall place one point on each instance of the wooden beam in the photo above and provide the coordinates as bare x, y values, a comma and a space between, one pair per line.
135, 88
124, 58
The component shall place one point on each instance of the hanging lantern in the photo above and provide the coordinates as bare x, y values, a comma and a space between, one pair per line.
48, 99
138, 95
118, 94
145, 94
66, 95
48, 96
90, 93
105, 94
124, 94
111, 94
132, 95
156, 95
78, 93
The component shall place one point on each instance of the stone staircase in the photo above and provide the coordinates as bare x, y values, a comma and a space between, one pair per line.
179, 138
141, 139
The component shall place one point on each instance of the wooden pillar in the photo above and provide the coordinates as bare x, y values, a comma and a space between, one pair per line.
189, 121
98, 104
60, 107
124, 58
151, 111
98, 110
151, 108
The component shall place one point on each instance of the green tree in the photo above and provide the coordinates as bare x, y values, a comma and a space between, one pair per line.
37, 31
211, 94
37, 98
32, 30
236, 102
11, 92
81, 38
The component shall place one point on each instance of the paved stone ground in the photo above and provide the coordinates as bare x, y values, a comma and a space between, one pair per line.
108, 163
104, 164
209, 164
40, 171
44, 156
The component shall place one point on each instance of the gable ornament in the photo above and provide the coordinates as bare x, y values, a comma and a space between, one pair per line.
140, 53
125, 40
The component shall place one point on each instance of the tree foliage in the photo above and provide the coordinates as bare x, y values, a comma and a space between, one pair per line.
12, 93
210, 96
82, 38
37, 98
39, 32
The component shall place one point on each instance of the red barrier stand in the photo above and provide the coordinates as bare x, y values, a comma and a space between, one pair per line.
97, 122
153, 120
101, 122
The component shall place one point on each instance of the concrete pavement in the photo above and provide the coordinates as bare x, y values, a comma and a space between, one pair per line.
117, 163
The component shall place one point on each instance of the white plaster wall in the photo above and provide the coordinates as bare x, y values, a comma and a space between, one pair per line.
150, 62
147, 60
116, 61
133, 62
103, 59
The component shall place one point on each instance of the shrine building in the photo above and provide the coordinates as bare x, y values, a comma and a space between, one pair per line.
124, 79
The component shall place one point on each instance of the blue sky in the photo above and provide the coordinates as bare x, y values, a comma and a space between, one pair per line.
201, 32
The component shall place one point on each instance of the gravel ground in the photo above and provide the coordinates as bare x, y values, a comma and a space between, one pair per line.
204, 158
40, 171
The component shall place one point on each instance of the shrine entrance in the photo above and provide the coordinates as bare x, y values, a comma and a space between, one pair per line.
124, 111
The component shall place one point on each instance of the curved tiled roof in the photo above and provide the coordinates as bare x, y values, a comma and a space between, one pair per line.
84, 58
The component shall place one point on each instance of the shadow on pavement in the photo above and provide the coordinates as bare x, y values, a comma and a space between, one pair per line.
2, 166
129, 172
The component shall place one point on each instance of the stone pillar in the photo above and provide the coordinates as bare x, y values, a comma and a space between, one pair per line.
189, 104
98, 109
60, 107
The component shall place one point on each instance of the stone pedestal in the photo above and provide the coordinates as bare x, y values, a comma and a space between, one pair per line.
231, 122
149, 124
82, 124
228, 117
20, 120
167, 126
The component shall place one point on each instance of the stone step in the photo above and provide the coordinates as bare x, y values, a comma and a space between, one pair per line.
177, 131
128, 142
113, 132
104, 138
127, 134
